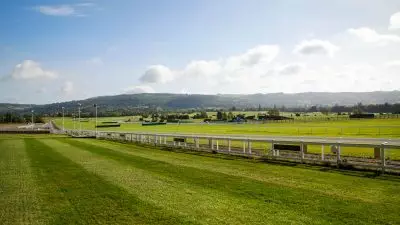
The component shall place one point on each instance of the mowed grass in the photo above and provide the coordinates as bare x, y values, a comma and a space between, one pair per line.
85, 181
389, 128
375, 128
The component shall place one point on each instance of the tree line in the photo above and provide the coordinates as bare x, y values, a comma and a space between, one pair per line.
200, 113
17, 118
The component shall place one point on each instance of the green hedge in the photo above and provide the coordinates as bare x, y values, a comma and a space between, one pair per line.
108, 125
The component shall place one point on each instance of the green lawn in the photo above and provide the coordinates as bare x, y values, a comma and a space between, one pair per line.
83, 181
357, 128
377, 128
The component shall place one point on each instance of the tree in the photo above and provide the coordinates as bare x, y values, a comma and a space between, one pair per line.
219, 115
224, 116
324, 111
313, 109
203, 114
259, 107
230, 116
358, 109
273, 112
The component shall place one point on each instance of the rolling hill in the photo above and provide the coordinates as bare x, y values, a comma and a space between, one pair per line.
185, 101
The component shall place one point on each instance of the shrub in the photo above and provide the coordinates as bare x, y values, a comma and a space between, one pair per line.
362, 116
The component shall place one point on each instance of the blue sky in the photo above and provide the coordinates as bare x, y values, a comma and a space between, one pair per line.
62, 50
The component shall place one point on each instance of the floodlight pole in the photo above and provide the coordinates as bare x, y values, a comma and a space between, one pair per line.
79, 115
73, 118
95, 105
33, 123
63, 117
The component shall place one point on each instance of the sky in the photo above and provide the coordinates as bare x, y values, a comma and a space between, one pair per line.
61, 50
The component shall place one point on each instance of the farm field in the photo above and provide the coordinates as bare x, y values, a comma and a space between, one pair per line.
356, 128
50, 180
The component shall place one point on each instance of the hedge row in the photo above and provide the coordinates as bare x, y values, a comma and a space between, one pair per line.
153, 123
108, 125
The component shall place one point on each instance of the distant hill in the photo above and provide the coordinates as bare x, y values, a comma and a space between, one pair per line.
183, 101
5, 107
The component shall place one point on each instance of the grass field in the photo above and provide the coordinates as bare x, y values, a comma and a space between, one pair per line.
358, 128
376, 128
50, 180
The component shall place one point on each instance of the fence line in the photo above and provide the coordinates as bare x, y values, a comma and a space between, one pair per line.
330, 154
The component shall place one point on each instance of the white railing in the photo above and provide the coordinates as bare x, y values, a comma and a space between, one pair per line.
331, 149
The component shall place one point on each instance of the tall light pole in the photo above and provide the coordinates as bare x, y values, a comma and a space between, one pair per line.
95, 105
79, 114
63, 117
73, 119
33, 123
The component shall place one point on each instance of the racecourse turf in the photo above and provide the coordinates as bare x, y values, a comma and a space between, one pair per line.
376, 128
85, 181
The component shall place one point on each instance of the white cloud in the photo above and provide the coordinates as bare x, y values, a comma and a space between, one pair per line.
65, 10
291, 68
394, 63
59, 10
202, 68
395, 21
286, 69
67, 88
157, 74
30, 69
369, 35
226, 70
41, 90
260, 54
257, 71
139, 89
97, 61
85, 4
316, 47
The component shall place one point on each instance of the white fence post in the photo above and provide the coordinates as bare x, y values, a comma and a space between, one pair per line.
338, 154
216, 144
272, 148
322, 152
302, 151
197, 143
229, 145
249, 146
383, 160
244, 147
